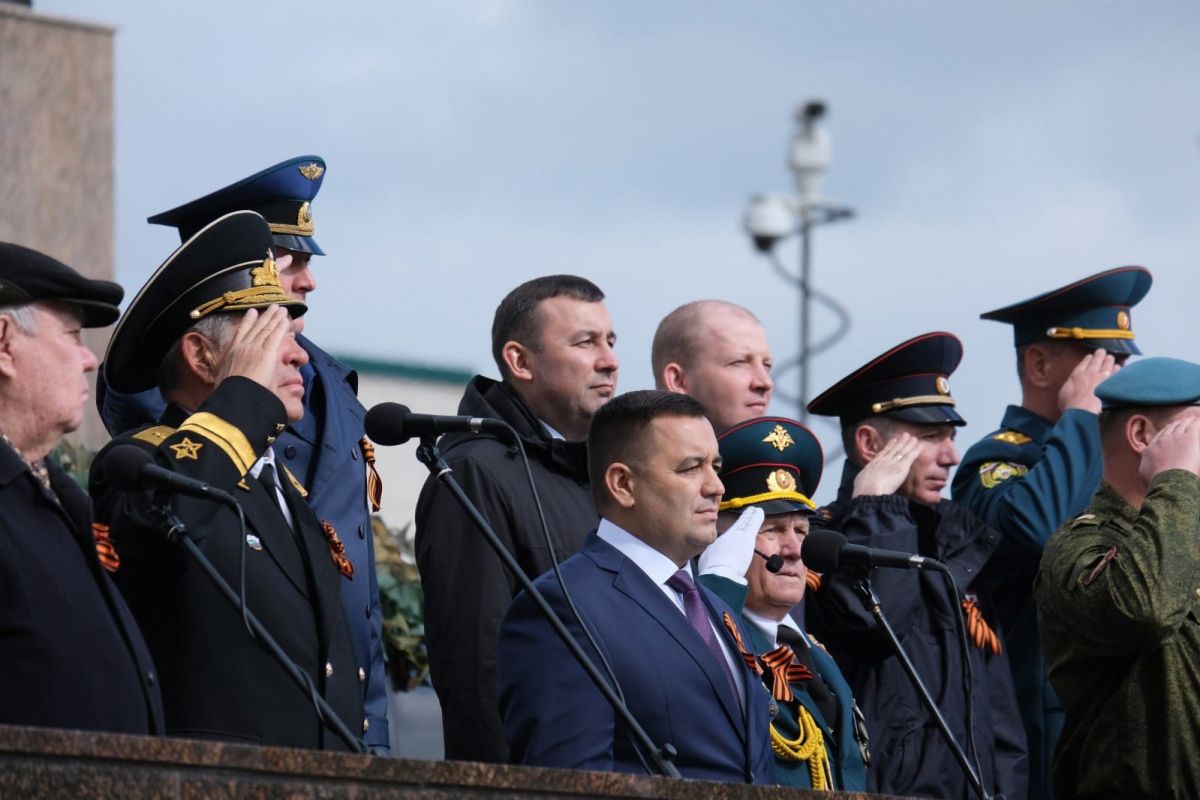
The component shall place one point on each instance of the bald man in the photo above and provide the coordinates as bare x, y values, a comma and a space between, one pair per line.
716, 352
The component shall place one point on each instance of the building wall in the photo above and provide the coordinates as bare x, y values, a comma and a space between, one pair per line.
56, 147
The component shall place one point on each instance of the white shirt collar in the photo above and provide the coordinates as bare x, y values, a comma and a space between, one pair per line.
550, 430
268, 457
770, 627
650, 561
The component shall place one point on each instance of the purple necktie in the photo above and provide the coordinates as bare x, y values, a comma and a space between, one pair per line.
697, 615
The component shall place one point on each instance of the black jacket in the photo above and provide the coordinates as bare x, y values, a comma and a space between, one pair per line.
71, 655
467, 589
908, 754
217, 681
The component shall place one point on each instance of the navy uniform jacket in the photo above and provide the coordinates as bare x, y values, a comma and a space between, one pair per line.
336, 482
71, 655
1025, 480
556, 717
841, 743
217, 680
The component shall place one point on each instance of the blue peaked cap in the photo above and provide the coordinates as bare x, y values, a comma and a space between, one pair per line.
1157, 381
281, 194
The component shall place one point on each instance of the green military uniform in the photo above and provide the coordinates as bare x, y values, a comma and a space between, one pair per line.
818, 736
1118, 598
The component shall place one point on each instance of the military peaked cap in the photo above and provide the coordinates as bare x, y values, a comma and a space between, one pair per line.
227, 266
282, 194
1093, 312
770, 462
908, 382
1155, 381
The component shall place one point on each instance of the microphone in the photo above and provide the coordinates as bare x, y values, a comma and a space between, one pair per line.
130, 468
393, 423
826, 551
774, 563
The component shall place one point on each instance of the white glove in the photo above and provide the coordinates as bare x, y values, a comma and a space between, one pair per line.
730, 555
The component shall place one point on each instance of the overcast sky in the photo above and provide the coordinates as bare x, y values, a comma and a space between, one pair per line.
992, 151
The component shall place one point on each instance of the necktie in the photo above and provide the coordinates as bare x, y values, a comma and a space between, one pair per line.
697, 615
266, 476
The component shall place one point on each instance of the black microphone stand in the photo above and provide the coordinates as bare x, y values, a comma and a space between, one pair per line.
429, 455
176, 531
871, 601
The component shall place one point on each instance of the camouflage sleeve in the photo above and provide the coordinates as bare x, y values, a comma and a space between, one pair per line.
1125, 588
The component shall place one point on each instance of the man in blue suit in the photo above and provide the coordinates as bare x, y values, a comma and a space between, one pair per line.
326, 449
672, 645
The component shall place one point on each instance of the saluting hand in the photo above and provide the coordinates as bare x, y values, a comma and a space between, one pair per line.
1079, 390
1176, 446
885, 473
730, 555
254, 350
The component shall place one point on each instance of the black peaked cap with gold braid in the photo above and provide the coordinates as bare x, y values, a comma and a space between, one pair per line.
909, 382
227, 266
773, 463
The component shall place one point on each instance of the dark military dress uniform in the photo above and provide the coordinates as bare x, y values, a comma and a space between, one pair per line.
1118, 598
817, 734
217, 680
326, 449
908, 754
1031, 475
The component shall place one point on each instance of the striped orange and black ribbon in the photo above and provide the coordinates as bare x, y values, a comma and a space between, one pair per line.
747, 656
978, 631
374, 482
105, 551
337, 550
812, 581
786, 671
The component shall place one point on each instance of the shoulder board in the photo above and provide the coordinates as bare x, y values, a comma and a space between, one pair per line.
1012, 437
155, 435
299, 486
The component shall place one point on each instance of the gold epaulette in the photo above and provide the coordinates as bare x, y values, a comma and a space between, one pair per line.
1012, 437
154, 435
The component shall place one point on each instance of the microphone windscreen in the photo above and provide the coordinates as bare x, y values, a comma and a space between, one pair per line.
123, 465
822, 550
384, 424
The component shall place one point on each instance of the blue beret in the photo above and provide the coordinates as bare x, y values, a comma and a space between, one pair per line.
1158, 381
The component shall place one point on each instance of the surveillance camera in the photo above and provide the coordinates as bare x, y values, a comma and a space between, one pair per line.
769, 218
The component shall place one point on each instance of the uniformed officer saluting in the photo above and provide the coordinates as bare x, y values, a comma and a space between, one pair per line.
326, 449
1117, 596
1043, 465
212, 327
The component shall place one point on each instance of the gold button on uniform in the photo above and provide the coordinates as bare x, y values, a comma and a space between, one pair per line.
328, 670
362, 675
366, 725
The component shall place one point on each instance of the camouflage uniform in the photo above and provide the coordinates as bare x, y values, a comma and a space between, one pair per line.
1118, 595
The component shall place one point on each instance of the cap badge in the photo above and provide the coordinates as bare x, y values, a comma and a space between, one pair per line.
943, 385
312, 171
304, 217
781, 481
265, 275
1122, 320
780, 439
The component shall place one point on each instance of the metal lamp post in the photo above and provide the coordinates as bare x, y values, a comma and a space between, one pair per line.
772, 217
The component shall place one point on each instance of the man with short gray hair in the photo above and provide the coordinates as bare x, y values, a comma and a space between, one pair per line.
58, 607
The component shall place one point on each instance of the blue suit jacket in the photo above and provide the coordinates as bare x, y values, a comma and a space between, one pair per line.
553, 714
322, 450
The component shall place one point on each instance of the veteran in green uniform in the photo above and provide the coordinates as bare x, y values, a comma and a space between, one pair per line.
1043, 466
771, 466
1118, 596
